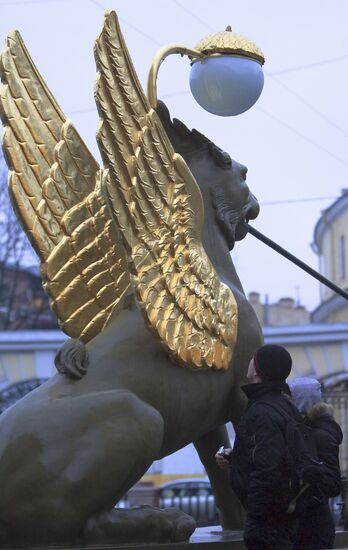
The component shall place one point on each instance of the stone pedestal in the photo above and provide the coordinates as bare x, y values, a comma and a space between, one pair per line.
206, 538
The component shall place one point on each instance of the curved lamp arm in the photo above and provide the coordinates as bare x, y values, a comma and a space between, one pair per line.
156, 63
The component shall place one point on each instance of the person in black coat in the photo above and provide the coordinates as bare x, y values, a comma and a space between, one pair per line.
316, 527
257, 464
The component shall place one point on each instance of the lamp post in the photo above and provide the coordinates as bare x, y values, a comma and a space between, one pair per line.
226, 75
226, 79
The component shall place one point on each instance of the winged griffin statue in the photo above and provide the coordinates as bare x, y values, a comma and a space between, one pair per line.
135, 257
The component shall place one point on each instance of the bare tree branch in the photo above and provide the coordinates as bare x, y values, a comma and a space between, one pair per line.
23, 303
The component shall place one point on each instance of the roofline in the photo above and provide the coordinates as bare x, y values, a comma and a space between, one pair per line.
328, 216
306, 334
323, 310
45, 340
30, 340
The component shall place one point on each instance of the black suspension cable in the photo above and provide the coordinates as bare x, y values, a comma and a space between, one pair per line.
296, 261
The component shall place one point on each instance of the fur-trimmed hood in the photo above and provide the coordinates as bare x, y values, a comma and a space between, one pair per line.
321, 419
319, 409
306, 396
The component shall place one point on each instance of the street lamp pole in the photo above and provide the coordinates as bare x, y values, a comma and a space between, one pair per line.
161, 55
226, 75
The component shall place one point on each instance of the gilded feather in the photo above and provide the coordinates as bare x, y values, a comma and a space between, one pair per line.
158, 209
54, 184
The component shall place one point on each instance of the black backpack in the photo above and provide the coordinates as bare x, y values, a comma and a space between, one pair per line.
301, 458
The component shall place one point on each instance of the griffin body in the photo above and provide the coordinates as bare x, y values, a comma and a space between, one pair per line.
136, 259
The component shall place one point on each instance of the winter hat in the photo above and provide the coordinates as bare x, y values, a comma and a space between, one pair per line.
272, 363
306, 392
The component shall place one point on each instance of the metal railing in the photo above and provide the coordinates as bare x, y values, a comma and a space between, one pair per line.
338, 507
203, 509
198, 505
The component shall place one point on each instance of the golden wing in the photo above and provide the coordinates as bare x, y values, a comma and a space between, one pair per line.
55, 183
158, 209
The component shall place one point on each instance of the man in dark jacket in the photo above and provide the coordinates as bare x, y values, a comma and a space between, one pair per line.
257, 462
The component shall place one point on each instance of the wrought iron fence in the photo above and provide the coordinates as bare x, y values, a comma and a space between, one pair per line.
335, 393
14, 392
202, 506
193, 497
338, 507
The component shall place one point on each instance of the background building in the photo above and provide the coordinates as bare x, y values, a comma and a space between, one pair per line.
284, 312
331, 245
23, 302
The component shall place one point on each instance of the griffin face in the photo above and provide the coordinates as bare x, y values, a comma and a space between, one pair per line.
234, 203
224, 181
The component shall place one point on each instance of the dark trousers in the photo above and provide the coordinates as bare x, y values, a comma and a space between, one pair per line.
316, 529
273, 533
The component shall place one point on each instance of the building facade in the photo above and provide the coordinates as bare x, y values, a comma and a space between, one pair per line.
284, 312
331, 244
23, 302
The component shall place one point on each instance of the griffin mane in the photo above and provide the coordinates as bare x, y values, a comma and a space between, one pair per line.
191, 143
187, 142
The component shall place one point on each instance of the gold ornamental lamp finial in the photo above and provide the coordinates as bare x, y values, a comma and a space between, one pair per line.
226, 75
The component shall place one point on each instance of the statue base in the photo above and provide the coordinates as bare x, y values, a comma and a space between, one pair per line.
204, 538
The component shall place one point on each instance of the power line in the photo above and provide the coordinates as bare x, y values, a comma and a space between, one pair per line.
303, 136
290, 201
268, 203
130, 25
290, 128
23, 2
309, 65
271, 74
175, 94
292, 92
189, 12
201, 21
99, 4
285, 124
309, 106
82, 111
274, 73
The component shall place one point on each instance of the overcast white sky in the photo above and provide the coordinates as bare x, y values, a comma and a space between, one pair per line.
294, 140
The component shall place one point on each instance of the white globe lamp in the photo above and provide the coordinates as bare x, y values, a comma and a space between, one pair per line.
228, 79
226, 76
